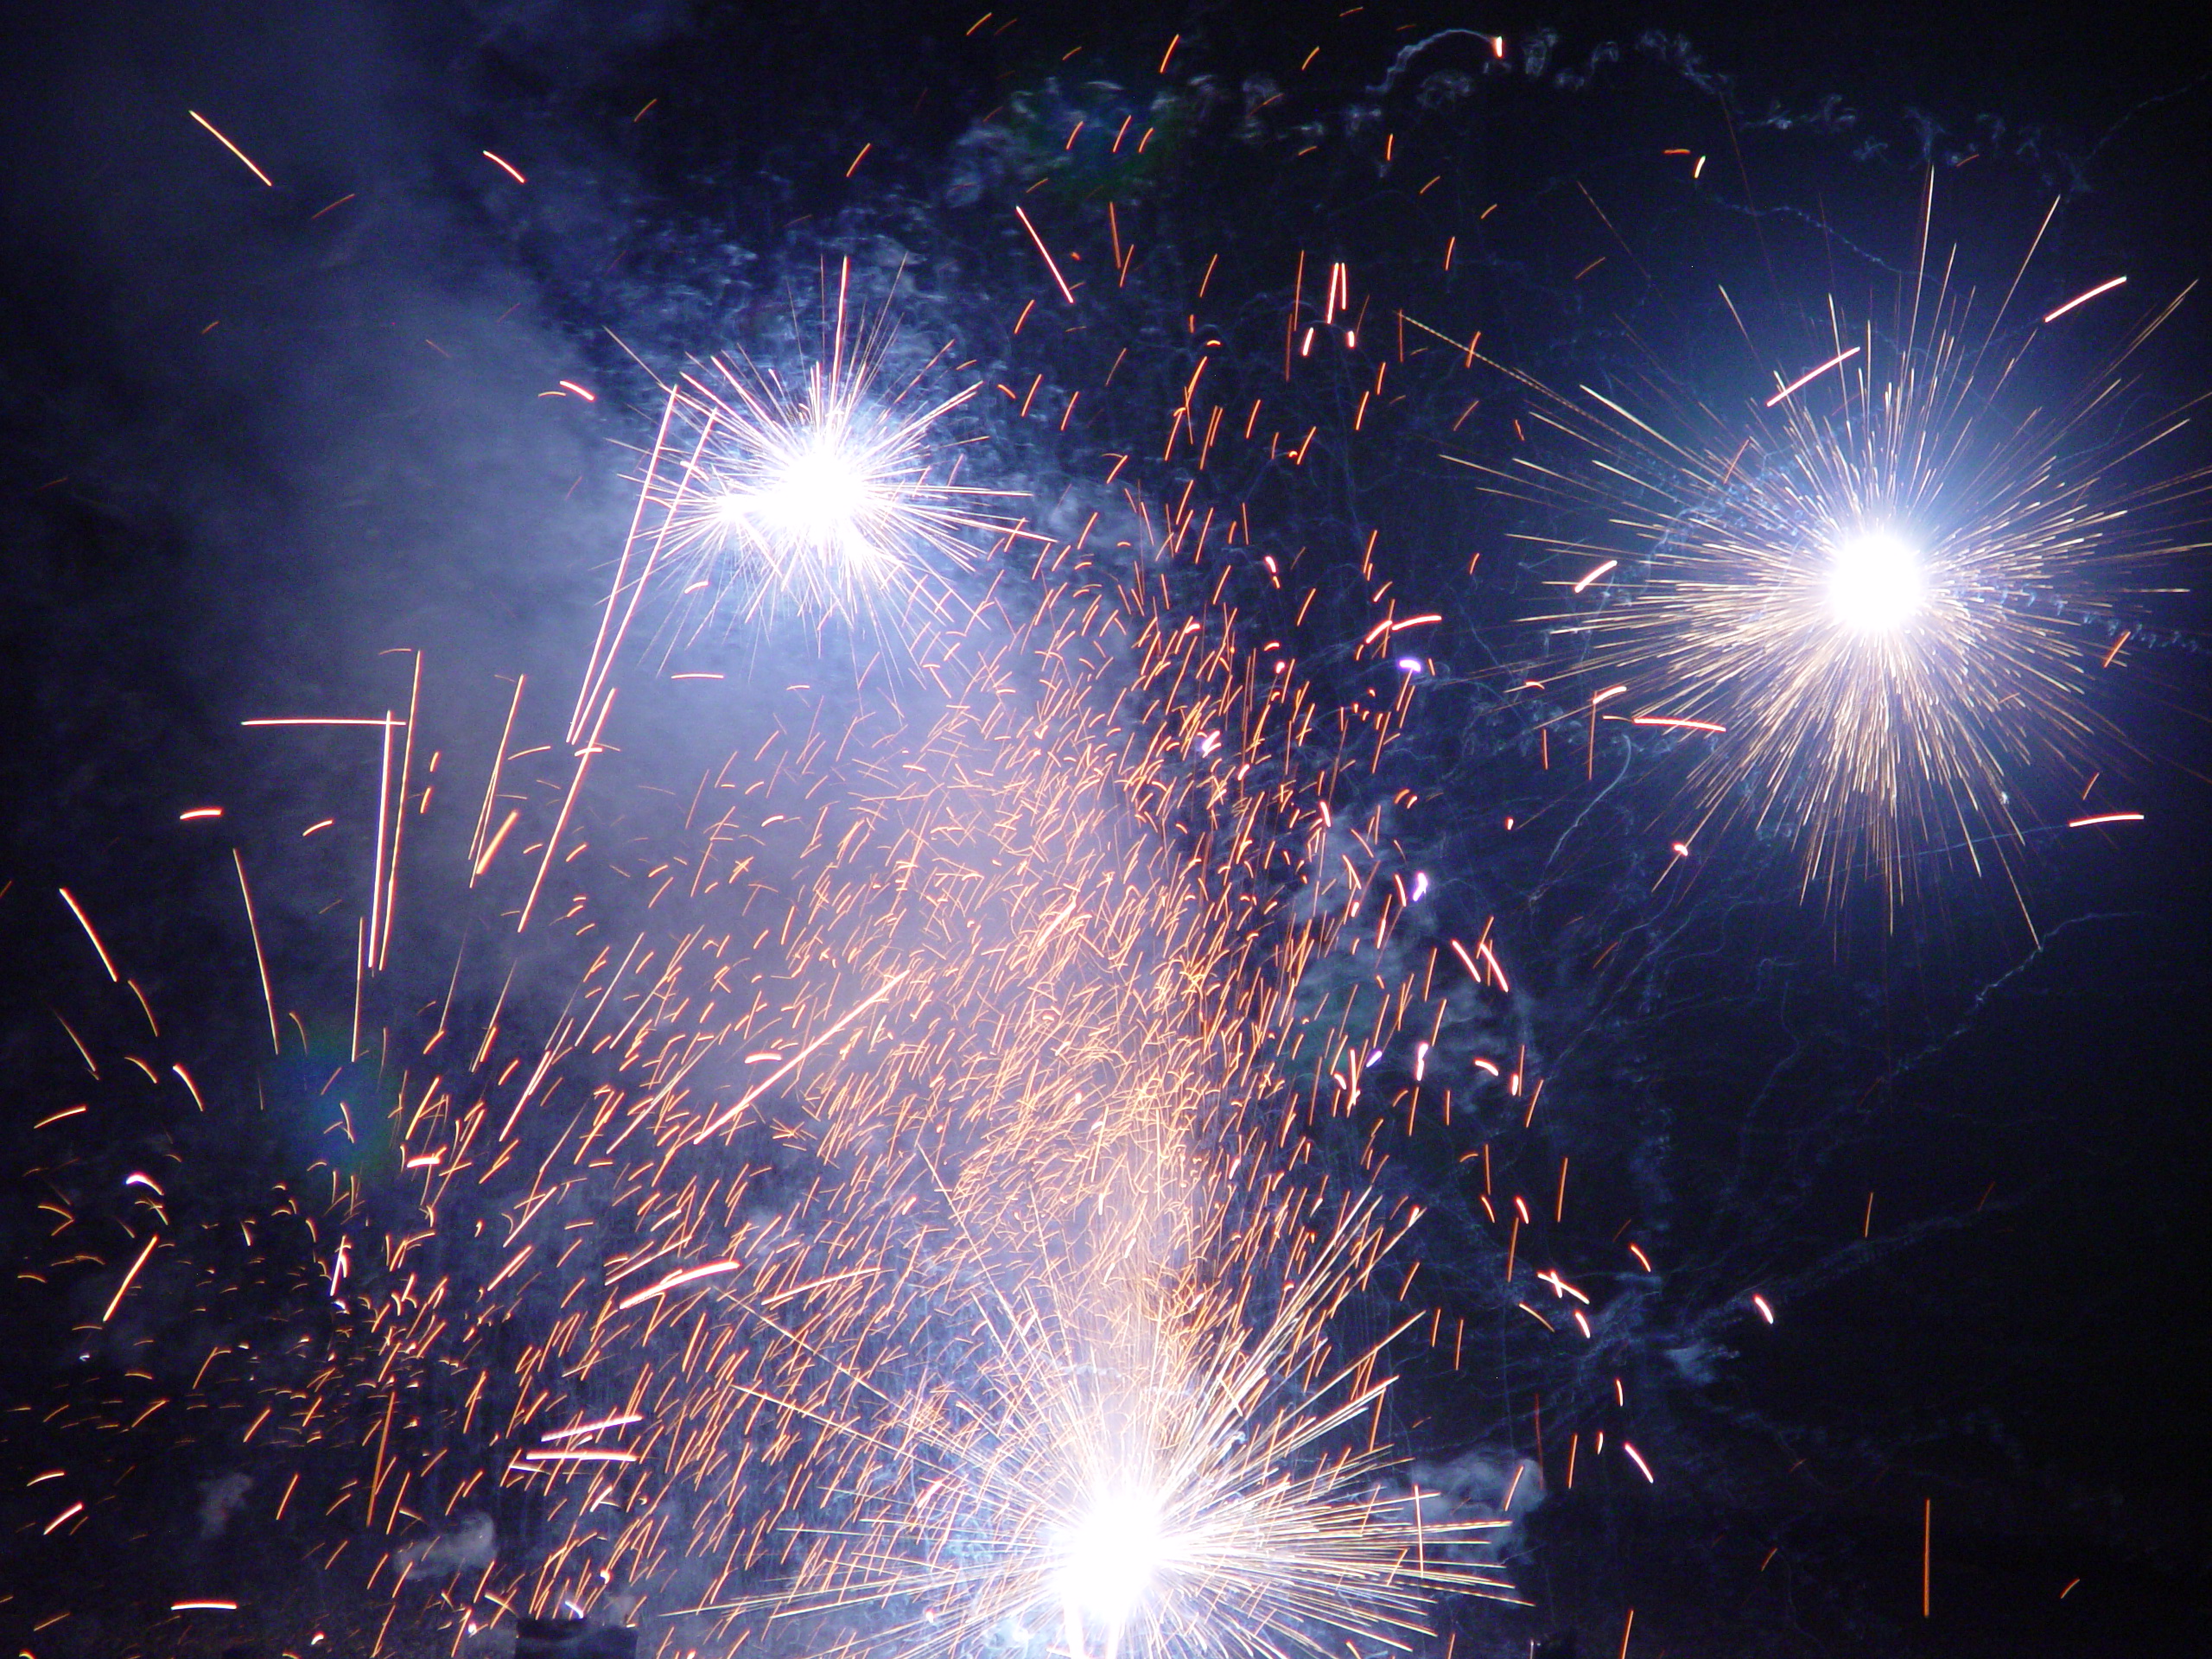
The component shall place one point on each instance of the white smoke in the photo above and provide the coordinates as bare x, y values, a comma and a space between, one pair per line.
472, 1543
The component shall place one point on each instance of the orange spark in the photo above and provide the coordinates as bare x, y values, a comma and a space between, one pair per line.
233, 148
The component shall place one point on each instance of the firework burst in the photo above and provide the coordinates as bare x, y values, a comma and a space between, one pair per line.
1876, 602
1139, 1462
827, 494
816, 498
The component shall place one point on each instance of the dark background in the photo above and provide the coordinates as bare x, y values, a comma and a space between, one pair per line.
242, 451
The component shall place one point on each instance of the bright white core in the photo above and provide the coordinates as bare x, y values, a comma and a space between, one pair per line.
1111, 1556
1875, 583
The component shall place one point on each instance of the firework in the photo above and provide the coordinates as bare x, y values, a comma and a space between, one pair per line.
827, 494
1876, 600
819, 498
952, 1208
1131, 1467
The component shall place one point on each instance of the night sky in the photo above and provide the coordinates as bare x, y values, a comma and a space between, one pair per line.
370, 432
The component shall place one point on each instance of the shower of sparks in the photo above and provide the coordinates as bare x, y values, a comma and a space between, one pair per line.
1006, 1377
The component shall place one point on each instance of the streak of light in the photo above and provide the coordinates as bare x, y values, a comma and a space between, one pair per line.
579, 1455
260, 961
687, 1276
233, 148
1045, 253
623, 1421
1927, 1554
77, 910
116, 1301
722, 1120
1811, 375
2105, 287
